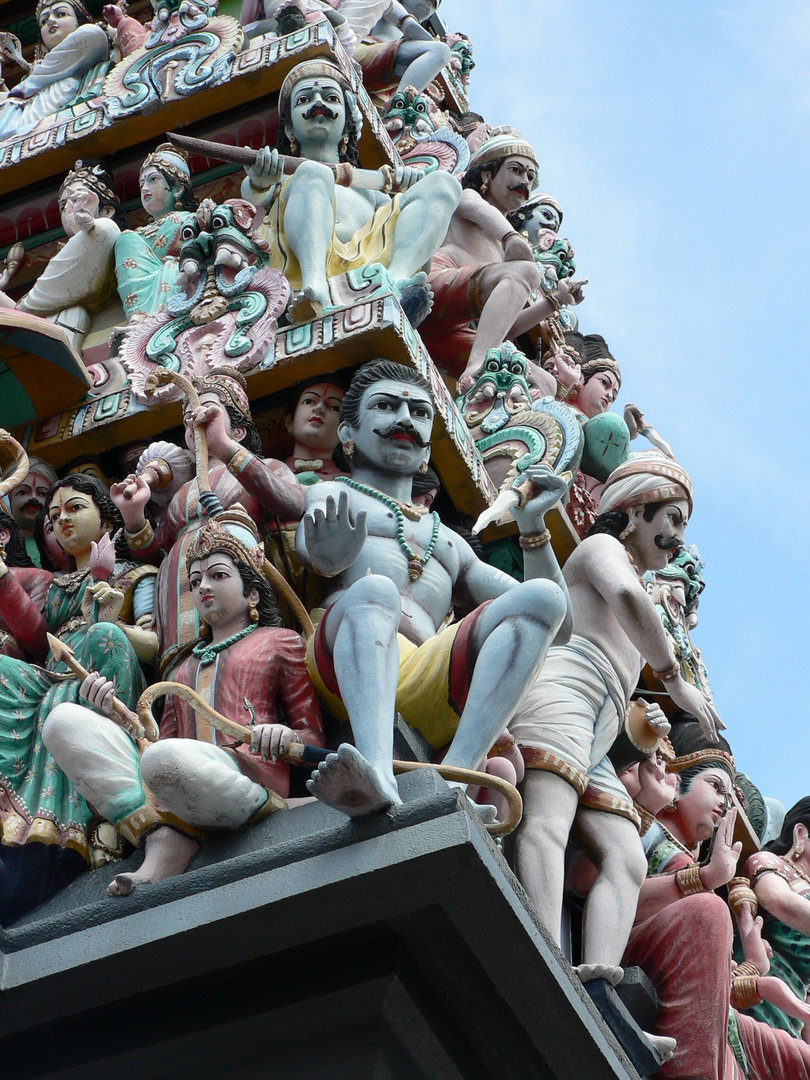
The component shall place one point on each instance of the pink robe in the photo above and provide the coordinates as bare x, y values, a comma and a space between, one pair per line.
265, 670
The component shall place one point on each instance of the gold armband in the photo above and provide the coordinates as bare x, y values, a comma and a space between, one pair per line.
689, 882
747, 967
740, 893
141, 539
239, 461
744, 992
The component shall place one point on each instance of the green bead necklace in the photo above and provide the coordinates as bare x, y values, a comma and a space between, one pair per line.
206, 652
416, 563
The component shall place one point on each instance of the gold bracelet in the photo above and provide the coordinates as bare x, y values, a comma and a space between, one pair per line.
552, 299
534, 540
689, 882
512, 232
239, 461
745, 992
740, 893
668, 673
747, 967
140, 539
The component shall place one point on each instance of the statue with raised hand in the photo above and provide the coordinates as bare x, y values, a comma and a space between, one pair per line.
393, 570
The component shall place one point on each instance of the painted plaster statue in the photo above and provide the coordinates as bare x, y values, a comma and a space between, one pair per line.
79, 280
237, 473
223, 310
249, 668
103, 610
675, 591
320, 228
393, 570
682, 935
313, 414
485, 270
400, 52
570, 717
419, 131
540, 220
514, 430
462, 59
27, 501
146, 259
780, 876
72, 55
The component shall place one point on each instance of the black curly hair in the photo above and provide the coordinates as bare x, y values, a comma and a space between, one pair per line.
100, 494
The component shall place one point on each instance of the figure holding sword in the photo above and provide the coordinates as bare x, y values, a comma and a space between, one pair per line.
319, 227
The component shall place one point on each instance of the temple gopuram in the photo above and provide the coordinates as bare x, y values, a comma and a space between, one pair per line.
351, 721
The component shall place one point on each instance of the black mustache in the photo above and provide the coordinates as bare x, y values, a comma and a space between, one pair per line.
330, 114
673, 544
32, 504
520, 187
402, 427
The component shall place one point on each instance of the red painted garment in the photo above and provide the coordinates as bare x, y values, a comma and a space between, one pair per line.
685, 949
257, 488
268, 668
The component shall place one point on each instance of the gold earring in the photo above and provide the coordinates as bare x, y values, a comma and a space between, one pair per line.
797, 852
293, 146
344, 142
204, 628
254, 611
423, 468
348, 448
631, 528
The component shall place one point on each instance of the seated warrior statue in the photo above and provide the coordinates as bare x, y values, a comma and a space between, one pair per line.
320, 228
146, 264
485, 270
237, 473
79, 280
250, 669
103, 611
571, 715
390, 45
393, 570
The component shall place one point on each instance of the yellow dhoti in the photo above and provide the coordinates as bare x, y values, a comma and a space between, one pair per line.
371, 244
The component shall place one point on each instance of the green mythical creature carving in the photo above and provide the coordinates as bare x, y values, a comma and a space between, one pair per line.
675, 591
514, 433
418, 130
225, 307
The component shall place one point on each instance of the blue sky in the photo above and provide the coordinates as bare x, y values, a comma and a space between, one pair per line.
677, 138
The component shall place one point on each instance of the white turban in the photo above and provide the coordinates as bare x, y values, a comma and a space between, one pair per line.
645, 478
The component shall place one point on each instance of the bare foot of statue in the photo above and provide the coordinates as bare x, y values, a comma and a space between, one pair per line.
613, 974
309, 303
167, 853
663, 1044
347, 782
416, 297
